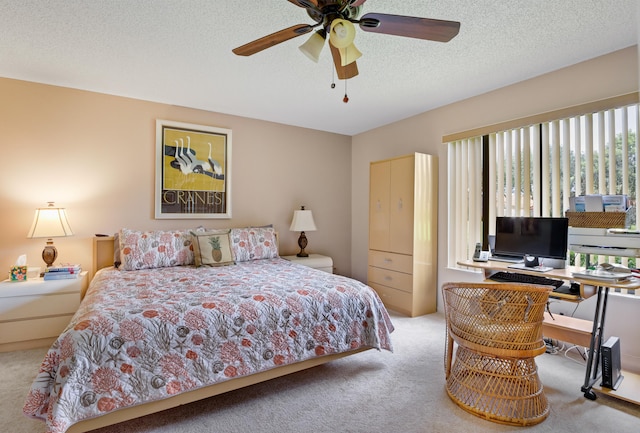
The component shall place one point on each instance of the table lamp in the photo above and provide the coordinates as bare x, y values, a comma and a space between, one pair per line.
50, 222
302, 222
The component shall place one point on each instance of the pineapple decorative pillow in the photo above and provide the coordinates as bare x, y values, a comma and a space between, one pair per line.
212, 248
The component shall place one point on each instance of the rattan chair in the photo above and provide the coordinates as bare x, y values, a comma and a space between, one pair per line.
497, 329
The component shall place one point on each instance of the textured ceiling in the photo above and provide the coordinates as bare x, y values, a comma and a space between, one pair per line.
179, 52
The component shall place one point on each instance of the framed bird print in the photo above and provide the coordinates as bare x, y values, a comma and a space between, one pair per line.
193, 171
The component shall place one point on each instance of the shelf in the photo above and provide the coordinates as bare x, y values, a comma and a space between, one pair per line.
566, 328
629, 389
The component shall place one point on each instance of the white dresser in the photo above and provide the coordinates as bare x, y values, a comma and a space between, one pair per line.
34, 312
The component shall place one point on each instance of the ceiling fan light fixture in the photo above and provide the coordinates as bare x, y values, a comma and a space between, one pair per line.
342, 33
313, 46
349, 55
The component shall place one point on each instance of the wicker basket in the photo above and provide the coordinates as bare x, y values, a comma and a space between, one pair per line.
605, 220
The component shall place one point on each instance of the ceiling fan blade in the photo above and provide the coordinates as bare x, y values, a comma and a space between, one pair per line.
411, 27
305, 3
343, 72
272, 39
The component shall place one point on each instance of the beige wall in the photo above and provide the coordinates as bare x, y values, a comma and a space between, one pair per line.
94, 154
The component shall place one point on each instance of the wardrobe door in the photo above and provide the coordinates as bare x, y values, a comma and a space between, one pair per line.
401, 203
379, 206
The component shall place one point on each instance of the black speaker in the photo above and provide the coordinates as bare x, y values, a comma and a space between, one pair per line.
530, 261
611, 368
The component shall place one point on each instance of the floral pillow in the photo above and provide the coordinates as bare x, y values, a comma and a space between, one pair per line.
155, 249
212, 248
253, 243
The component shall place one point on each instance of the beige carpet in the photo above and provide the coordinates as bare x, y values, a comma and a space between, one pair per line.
368, 392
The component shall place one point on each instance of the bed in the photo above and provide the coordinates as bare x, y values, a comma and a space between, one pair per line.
168, 332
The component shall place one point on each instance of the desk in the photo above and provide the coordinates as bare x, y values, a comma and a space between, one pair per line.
629, 389
586, 290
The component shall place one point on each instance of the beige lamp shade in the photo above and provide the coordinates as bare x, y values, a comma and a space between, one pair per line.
313, 47
302, 221
50, 222
342, 33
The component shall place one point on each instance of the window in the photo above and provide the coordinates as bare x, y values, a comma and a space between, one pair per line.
533, 170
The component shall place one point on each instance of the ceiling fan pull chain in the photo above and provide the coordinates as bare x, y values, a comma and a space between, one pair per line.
333, 78
346, 98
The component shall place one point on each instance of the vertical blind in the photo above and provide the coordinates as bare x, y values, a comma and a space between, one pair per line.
533, 170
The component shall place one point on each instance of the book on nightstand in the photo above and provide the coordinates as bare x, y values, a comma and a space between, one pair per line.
65, 268
60, 276
62, 272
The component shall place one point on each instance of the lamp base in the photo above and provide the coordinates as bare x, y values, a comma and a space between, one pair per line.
302, 243
49, 254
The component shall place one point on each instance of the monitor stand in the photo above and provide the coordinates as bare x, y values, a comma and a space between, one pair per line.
506, 259
553, 263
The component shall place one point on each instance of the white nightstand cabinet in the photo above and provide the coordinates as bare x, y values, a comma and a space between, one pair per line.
315, 261
34, 312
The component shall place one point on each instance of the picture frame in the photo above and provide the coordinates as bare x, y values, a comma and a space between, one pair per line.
193, 171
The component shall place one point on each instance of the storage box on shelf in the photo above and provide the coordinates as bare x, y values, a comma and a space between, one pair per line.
605, 220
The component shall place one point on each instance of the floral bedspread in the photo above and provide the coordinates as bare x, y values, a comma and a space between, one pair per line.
146, 335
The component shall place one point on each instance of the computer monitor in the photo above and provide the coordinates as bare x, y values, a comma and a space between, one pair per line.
541, 237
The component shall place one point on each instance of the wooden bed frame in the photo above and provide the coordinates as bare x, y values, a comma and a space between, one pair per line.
103, 257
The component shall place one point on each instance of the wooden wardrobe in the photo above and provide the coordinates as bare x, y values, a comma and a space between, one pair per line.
403, 228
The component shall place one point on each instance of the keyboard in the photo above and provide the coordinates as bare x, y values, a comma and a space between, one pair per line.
514, 277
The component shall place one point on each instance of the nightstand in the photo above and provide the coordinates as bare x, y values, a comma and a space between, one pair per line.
34, 312
316, 261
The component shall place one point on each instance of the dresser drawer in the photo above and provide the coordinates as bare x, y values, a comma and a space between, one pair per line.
392, 261
22, 307
394, 299
24, 330
396, 280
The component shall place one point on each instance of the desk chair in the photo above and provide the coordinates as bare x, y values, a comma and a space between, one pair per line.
498, 331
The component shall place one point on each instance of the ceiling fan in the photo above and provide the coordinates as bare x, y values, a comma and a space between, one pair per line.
336, 20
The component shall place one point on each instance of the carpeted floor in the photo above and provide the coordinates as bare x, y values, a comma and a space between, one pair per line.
368, 392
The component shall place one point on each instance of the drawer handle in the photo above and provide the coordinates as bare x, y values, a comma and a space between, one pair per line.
388, 260
388, 278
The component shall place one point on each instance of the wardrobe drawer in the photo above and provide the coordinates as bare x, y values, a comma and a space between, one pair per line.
396, 280
394, 299
392, 261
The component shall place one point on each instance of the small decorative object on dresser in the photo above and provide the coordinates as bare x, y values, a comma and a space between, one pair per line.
33, 313
316, 261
